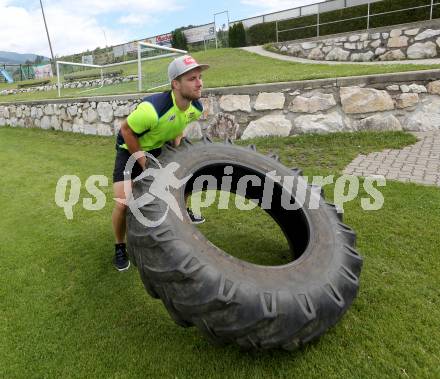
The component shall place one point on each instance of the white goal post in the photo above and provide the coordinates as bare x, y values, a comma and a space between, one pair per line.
76, 64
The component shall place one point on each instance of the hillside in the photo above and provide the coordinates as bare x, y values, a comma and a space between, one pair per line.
16, 58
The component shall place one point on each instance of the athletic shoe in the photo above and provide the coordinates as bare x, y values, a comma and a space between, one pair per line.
195, 219
120, 260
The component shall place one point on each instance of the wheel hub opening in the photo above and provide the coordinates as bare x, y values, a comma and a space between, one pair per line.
267, 236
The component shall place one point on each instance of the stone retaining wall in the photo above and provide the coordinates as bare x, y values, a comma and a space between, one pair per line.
406, 101
412, 41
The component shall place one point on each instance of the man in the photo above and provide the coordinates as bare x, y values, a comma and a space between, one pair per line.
159, 119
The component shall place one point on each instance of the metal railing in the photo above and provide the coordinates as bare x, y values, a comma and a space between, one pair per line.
368, 17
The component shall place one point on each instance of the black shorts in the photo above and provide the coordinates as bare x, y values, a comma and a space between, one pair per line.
122, 156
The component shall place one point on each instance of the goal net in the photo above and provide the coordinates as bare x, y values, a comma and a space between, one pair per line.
75, 78
153, 61
148, 72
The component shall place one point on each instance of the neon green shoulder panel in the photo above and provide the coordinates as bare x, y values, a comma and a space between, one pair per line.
143, 118
152, 131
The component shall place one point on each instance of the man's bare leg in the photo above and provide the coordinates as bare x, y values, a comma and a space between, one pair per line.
119, 225
119, 211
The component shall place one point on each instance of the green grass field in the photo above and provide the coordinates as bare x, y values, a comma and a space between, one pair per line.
229, 67
65, 311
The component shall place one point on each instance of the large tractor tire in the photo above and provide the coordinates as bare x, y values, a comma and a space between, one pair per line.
228, 299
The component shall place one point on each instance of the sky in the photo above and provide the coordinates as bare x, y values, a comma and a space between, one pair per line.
75, 26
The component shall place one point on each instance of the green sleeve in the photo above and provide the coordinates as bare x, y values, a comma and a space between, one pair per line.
143, 118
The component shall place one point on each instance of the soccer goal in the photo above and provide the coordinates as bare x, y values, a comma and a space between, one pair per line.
146, 73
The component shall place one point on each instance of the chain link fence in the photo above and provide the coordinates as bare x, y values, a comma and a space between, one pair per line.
18, 72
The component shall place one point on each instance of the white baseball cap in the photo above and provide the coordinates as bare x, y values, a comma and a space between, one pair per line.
183, 64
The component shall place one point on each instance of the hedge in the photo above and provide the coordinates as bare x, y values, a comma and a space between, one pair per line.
266, 32
261, 33
401, 17
94, 75
33, 83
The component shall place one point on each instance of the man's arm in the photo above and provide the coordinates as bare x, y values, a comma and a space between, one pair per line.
132, 143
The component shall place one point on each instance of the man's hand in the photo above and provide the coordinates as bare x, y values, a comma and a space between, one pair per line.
177, 140
143, 162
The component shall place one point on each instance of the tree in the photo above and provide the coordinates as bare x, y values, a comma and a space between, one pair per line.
39, 59
178, 40
237, 35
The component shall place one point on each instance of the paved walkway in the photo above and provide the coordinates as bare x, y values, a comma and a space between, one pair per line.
261, 51
418, 163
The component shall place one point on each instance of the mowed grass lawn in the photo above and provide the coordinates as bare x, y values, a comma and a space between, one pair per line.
66, 312
229, 67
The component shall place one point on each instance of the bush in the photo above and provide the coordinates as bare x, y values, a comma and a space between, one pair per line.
178, 39
237, 35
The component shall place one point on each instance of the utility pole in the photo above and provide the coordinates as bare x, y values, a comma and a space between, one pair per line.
105, 37
47, 32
